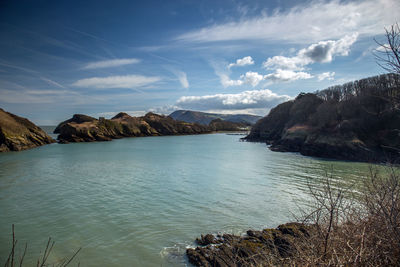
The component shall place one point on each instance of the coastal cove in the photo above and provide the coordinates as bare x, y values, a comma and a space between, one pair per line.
141, 201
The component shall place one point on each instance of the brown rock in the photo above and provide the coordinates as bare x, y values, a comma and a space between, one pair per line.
17, 133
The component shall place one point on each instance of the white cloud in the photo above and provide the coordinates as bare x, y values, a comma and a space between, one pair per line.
326, 75
383, 48
127, 81
166, 109
226, 81
287, 76
242, 62
321, 52
254, 99
111, 63
252, 78
315, 21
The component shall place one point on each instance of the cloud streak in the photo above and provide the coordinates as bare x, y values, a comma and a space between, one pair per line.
127, 81
111, 63
182, 77
326, 76
318, 20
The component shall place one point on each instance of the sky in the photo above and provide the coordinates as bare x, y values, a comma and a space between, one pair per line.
58, 58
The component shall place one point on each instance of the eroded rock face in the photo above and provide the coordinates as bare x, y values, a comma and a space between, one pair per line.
17, 133
249, 250
82, 128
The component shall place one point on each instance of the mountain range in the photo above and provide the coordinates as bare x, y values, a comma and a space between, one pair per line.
205, 118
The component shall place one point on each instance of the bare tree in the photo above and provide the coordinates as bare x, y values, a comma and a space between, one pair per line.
387, 55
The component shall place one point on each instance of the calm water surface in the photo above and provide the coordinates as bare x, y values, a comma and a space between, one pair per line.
142, 201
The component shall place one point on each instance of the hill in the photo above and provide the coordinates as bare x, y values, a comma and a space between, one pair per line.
205, 118
358, 121
82, 128
17, 133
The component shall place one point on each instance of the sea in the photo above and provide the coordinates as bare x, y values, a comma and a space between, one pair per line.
143, 201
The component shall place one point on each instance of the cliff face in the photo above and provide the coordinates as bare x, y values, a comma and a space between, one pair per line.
82, 128
357, 121
17, 133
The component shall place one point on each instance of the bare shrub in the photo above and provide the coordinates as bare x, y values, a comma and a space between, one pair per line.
361, 231
14, 260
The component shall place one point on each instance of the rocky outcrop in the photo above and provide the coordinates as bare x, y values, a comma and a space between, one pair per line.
17, 133
82, 128
253, 249
358, 121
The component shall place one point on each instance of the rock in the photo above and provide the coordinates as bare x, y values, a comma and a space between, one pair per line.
82, 128
17, 133
268, 245
205, 240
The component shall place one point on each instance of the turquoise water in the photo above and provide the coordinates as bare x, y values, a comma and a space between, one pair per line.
142, 201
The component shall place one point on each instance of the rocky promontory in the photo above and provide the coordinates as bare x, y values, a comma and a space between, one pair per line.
269, 247
82, 128
357, 121
17, 133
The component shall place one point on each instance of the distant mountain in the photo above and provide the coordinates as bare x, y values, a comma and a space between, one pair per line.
205, 118
357, 121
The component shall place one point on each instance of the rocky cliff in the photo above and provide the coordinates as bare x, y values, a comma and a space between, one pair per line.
356, 121
17, 133
82, 128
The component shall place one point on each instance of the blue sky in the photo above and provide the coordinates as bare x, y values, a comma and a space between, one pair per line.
99, 57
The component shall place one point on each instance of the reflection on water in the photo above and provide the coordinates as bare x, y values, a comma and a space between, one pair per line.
142, 201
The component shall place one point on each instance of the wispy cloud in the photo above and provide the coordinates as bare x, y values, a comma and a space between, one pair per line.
242, 62
182, 77
326, 76
51, 82
30, 96
127, 81
111, 63
315, 21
